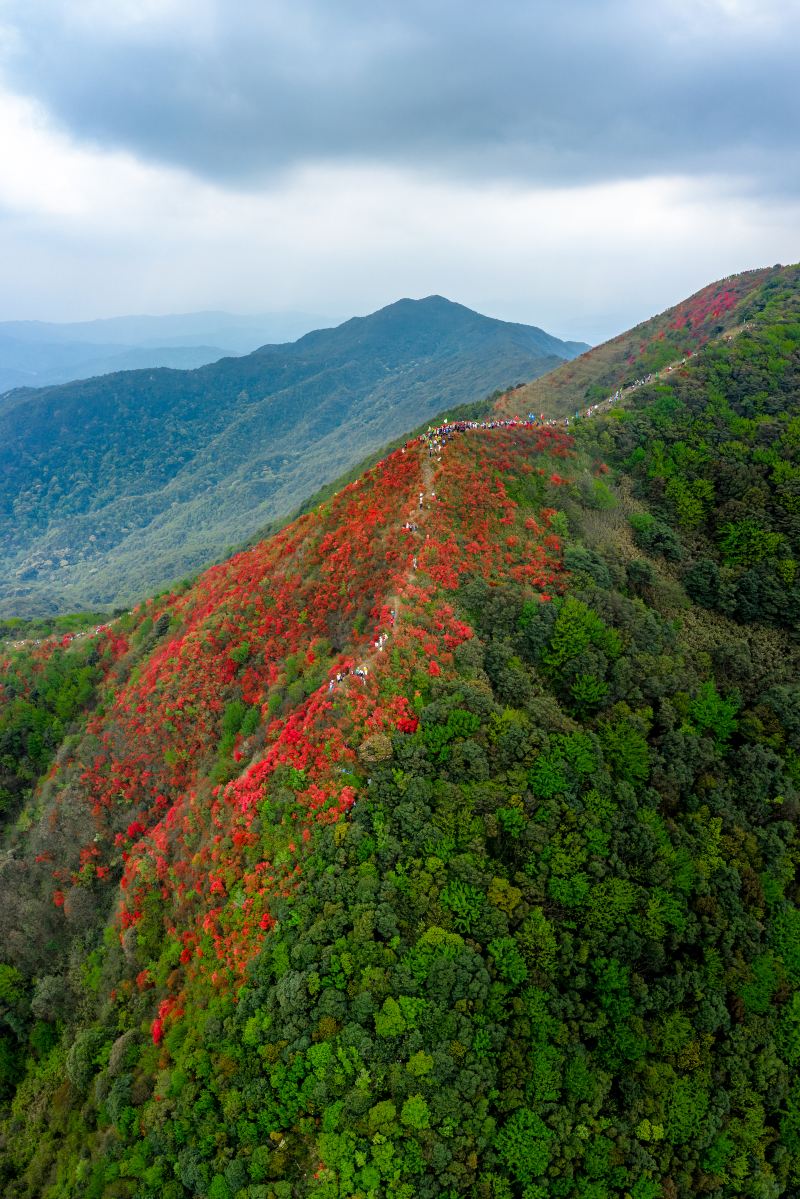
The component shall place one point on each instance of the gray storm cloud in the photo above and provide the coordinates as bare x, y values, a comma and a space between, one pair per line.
549, 93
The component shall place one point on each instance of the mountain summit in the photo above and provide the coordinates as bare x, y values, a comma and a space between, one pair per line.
435, 321
114, 485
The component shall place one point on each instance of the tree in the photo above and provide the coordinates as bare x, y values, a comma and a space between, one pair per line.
523, 1145
415, 1113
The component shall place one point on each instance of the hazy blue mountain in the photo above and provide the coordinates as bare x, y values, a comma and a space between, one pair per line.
40, 364
114, 485
40, 353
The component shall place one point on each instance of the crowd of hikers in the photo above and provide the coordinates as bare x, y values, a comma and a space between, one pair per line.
361, 672
437, 437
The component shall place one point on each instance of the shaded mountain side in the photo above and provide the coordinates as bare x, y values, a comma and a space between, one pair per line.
115, 485
652, 345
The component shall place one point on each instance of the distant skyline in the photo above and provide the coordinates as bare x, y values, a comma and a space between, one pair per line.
577, 167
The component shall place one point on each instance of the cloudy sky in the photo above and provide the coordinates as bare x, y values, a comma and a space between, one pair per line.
577, 164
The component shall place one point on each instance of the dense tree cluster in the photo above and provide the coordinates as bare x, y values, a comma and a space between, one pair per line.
44, 691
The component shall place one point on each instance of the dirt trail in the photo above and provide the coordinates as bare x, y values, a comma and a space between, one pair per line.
421, 509
427, 472
57, 637
417, 517
623, 392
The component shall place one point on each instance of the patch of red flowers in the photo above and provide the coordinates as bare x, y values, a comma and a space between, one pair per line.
264, 636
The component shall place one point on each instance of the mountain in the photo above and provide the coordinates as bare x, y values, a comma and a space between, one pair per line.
442, 844
650, 347
41, 353
116, 485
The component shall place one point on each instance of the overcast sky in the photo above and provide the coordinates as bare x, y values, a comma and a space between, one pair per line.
576, 164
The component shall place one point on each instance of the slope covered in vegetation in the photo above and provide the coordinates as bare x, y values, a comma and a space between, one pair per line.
43, 690
512, 912
114, 486
714, 451
649, 347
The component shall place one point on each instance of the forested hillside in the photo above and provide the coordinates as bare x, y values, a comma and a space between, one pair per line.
444, 843
650, 347
115, 486
714, 451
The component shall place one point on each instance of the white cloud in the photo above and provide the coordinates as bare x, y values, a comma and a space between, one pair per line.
147, 19
47, 174
90, 232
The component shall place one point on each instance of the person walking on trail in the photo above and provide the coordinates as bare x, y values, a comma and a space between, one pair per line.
421, 497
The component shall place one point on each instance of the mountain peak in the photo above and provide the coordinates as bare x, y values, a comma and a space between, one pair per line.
203, 458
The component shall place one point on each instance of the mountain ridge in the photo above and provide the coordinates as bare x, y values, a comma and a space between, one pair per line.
34, 354
680, 330
143, 329
44, 353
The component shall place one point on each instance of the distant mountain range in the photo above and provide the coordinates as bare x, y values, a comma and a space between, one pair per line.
115, 485
39, 353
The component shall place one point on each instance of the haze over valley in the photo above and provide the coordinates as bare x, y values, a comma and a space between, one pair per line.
38, 353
